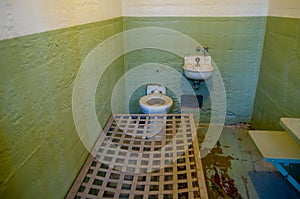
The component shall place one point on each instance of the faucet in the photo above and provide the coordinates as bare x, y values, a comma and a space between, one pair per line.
205, 50
197, 61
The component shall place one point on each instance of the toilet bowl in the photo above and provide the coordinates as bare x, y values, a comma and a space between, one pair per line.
156, 101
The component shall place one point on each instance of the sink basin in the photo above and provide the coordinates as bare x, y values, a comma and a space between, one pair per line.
198, 67
202, 72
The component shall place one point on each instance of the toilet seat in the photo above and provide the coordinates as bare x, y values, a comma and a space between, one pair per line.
155, 103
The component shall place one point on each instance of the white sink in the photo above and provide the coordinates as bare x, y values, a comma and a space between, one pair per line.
198, 67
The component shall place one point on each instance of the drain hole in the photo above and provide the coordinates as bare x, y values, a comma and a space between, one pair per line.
156, 101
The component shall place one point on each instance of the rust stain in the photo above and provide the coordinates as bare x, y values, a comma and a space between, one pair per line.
245, 181
216, 165
225, 185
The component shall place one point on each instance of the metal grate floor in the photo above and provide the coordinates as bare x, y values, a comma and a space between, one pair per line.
143, 156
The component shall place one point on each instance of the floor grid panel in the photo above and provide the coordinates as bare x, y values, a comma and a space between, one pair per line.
143, 156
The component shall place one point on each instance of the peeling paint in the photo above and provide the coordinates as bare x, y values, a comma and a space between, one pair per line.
216, 166
245, 181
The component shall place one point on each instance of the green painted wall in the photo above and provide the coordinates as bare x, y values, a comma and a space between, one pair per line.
279, 78
41, 153
105, 88
235, 46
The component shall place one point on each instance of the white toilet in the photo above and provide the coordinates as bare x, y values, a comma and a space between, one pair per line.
156, 101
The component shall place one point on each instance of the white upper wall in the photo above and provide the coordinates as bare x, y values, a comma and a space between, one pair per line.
195, 7
286, 8
23, 17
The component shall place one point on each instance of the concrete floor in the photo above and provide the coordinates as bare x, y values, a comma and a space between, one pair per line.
234, 169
